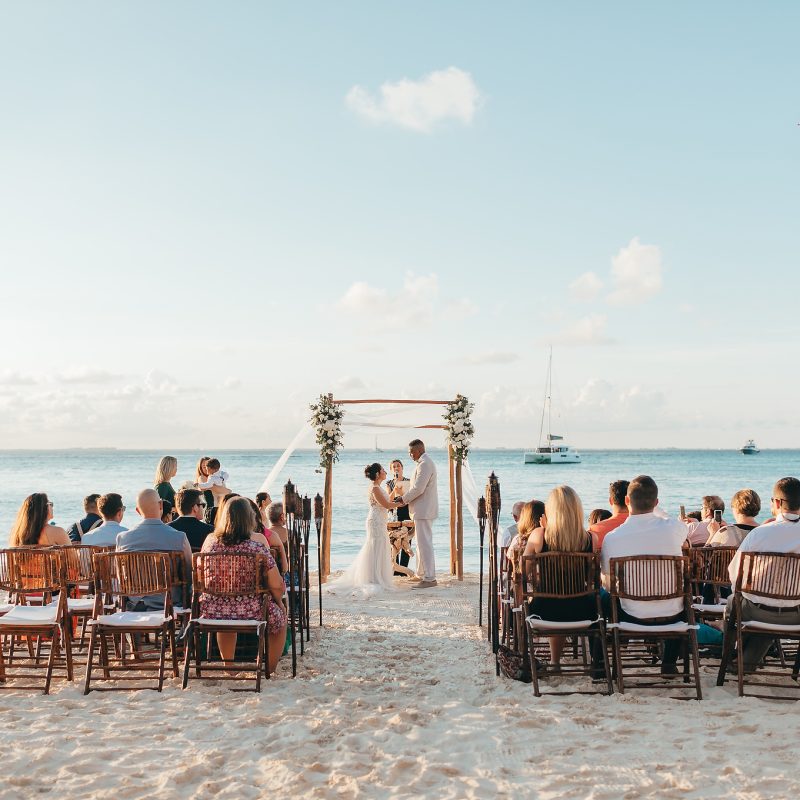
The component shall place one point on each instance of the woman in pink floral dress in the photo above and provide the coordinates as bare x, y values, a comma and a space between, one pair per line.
232, 535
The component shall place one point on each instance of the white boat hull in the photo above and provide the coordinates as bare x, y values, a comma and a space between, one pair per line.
750, 451
552, 458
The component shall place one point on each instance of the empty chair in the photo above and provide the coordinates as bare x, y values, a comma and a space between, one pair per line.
129, 579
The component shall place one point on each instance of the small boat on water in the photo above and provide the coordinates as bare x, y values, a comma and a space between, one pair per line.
750, 448
551, 453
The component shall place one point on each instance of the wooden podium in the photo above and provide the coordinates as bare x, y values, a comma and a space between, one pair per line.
400, 536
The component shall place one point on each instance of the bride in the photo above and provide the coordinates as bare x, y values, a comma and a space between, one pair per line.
372, 568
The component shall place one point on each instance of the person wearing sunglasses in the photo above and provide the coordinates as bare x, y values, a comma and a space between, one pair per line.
191, 505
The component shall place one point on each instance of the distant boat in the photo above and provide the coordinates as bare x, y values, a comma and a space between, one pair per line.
377, 449
551, 453
750, 448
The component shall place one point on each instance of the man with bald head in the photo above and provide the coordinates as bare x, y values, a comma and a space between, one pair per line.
151, 534
511, 531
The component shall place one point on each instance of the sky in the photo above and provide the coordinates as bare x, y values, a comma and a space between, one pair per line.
210, 213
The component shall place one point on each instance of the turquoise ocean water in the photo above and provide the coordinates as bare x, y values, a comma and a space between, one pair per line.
683, 476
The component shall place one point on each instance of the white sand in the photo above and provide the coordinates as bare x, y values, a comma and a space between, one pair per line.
396, 697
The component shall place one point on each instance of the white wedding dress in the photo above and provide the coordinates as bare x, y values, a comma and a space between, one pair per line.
372, 569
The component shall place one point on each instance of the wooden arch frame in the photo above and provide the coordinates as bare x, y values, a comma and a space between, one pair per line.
456, 493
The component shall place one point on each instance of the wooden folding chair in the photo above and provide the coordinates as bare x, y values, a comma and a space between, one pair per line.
122, 576
32, 576
227, 575
768, 577
564, 576
711, 575
647, 579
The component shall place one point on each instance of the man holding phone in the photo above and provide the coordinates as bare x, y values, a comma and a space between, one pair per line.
712, 511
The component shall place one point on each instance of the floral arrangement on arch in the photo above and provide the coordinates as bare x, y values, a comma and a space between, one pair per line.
460, 430
326, 417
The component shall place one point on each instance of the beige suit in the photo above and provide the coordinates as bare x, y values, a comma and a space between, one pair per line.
423, 501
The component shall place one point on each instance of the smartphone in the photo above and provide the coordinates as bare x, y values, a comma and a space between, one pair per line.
717, 515
683, 512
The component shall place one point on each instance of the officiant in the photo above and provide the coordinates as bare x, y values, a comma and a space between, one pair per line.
397, 486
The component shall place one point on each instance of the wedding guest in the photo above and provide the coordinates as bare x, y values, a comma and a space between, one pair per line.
619, 513
192, 507
277, 523
598, 515
698, 532
746, 506
512, 530
167, 512
89, 522
151, 534
215, 482
167, 469
263, 500
213, 513
562, 532
531, 517
269, 537
780, 536
695, 515
232, 535
645, 534
111, 510
31, 527
200, 476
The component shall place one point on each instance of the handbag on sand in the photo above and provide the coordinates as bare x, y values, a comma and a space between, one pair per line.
513, 665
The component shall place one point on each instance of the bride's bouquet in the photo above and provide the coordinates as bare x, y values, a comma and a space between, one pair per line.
326, 417
460, 430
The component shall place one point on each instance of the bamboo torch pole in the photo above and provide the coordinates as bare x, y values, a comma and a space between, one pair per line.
326, 524
453, 510
459, 524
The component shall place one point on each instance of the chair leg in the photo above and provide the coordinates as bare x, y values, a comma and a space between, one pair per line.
162, 660
532, 658
104, 657
603, 643
67, 633
795, 668
3, 661
618, 661
187, 656
173, 650
259, 656
51, 659
197, 656
696, 659
267, 671
89, 658
740, 660
728, 640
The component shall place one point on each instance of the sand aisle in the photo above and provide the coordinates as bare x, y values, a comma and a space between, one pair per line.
397, 697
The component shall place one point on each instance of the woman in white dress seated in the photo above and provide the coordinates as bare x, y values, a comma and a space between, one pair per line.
372, 568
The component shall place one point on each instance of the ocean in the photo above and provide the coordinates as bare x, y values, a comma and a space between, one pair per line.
683, 477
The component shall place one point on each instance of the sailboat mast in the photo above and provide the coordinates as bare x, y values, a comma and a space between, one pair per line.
549, 395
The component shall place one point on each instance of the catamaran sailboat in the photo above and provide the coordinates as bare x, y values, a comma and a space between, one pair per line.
551, 453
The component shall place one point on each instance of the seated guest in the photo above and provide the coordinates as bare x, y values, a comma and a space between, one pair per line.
31, 528
645, 534
780, 536
512, 530
211, 513
277, 523
232, 535
89, 522
262, 501
619, 513
698, 533
562, 532
695, 515
151, 534
192, 508
531, 517
111, 510
167, 469
269, 537
167, 512
598, 515
746, 505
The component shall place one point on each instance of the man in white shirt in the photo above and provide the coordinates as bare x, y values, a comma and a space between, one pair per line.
511, 531
645, 534
780, 536
111, 510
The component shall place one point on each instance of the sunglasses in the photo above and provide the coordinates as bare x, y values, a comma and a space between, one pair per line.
202, 505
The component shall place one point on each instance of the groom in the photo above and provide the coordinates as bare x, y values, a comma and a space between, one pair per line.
423, 501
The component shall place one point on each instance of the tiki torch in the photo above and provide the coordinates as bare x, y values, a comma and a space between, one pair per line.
482, 528
318, 514
306, 516
493, 517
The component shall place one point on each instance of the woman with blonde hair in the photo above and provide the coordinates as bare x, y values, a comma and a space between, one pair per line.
31, 527
562, 531
232, 535
167, 469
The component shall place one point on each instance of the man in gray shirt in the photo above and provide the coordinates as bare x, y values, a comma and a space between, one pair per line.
151, 534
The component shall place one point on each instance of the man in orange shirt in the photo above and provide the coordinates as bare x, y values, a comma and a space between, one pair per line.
619, 513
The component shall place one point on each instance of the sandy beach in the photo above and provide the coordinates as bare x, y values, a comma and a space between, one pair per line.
396, 697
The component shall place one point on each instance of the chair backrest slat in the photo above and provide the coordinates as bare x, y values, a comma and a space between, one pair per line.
647, 578
230, 574
774, 576
560, 575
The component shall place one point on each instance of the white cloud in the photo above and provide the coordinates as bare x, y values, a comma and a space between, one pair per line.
90, 375
491, 357
350, 383
589, 330
636, 272
415, 302
586, 287
447, 94
14, 378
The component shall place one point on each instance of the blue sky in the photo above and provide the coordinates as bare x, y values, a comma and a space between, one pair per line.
199, 232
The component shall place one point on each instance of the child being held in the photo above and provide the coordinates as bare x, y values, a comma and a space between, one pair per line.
216, 475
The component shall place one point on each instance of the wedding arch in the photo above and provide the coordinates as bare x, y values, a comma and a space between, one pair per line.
456, 422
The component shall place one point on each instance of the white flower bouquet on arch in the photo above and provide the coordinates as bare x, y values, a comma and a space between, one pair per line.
460, 430
326, 417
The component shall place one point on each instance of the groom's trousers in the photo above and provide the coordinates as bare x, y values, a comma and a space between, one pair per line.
426, 562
